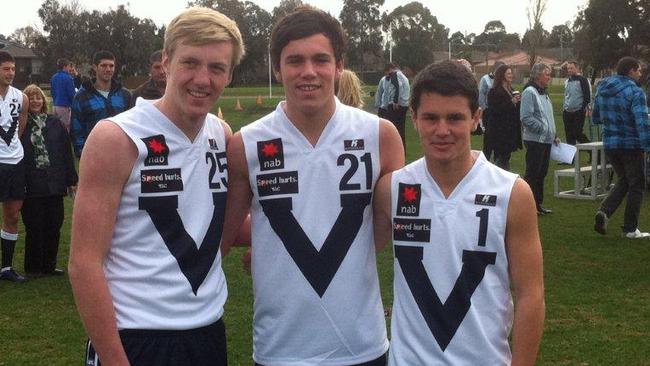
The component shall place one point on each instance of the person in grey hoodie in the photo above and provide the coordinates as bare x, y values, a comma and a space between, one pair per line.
539, 132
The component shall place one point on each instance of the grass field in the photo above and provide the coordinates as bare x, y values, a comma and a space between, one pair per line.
597, 287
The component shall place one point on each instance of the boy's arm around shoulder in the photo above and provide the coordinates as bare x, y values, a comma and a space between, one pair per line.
237, 221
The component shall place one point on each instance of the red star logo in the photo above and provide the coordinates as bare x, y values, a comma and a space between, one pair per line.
156, 146
270, 150
410, 194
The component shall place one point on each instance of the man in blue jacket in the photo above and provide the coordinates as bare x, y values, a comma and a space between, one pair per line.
620, 106
63, 91
97, 99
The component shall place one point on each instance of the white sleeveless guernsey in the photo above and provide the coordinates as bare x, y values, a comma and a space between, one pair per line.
164, 264
452, 303
317, 299
11, 150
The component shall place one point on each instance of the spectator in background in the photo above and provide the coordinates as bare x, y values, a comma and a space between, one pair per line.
76, 77
99, 98
350, 89
392, 98
484, 86
13, 118
63, 91
154, 88
536, 115
621, 108
577, 96
505, 126
49, 175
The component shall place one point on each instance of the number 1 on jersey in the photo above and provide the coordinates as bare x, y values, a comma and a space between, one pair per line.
483, 215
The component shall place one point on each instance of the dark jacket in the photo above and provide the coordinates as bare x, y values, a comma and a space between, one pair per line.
147, 90
89, 107
505, 126
61, 174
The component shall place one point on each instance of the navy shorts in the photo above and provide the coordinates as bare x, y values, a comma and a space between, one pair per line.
12, 182
204, 346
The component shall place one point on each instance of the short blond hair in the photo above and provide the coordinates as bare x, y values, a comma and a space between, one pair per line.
198, 26
350, 89
33, 89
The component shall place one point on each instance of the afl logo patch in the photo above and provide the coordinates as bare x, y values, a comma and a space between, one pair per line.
157, 150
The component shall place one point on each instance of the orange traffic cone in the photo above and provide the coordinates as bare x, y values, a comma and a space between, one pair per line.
259, 100
238, 106
219, 114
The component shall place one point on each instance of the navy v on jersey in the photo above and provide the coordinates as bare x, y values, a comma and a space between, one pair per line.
164, 265
317, 296
452, 302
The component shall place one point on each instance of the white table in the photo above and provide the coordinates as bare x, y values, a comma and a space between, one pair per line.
597, 171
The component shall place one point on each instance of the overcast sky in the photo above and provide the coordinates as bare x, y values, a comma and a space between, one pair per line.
466, 16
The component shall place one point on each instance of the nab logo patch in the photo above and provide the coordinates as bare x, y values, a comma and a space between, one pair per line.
270, 154
351, 145
213, 144
408, 200
485, 200
157, 150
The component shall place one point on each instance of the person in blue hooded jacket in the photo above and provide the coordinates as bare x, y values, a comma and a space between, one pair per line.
620, 106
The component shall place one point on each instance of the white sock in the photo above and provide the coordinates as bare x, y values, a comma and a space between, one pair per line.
8, 236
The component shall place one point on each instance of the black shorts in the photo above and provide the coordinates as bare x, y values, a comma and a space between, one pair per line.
204, 346
12, 182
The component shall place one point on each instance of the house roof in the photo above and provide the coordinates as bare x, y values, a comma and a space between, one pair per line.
521, 58
16, 50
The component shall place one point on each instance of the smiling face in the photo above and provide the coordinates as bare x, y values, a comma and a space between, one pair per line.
308, 70
445, 124
36, 103
105, 70
196, 77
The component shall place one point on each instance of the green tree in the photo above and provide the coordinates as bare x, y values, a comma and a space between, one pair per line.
76, 34
460, 45
285, 7
561, 36
65, 34
361, 20
607, 30
416, 33
27, 36
496, 37
494, 26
